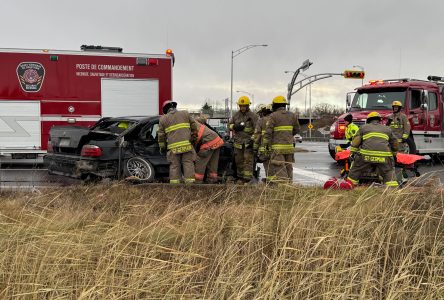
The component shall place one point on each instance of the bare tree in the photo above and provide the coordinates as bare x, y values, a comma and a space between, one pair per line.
327, 110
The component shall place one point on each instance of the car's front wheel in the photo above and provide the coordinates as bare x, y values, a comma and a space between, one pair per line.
140, 169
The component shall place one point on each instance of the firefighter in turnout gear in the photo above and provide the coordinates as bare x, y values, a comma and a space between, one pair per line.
263, 155
208, 146
400, 125
242, 124
280, 129
377, 145
350, 131
176, 133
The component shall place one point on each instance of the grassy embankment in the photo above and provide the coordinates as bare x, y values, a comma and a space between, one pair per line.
129, 242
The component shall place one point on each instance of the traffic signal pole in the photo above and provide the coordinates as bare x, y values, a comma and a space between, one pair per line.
352, 74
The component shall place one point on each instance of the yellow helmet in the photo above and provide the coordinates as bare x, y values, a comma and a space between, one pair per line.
279, 100
243, 100
123, 125
397, 103
373, 114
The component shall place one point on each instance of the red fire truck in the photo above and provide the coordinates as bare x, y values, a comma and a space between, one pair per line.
422, 102
43, 88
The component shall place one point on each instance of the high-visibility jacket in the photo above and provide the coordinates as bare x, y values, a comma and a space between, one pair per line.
207, 139
243, 137
350, 132
280, 129
400, 125
259, 134
376, 142
176, 131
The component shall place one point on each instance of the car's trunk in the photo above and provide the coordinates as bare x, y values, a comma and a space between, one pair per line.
71, 139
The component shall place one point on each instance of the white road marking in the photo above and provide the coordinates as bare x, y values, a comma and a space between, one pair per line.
304, 177
310, 174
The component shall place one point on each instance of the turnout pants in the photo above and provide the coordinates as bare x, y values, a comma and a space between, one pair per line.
385, 170
244, 162
207, 160
179, 162
280, 167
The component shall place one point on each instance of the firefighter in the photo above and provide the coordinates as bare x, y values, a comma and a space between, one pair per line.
280, 129
176, 133
377, 146
400, 125
208, 144
350, 131
263, 155
242, 124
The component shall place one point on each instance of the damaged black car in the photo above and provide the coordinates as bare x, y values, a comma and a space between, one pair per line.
115, 148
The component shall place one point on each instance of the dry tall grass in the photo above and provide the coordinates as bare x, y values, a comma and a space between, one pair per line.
129, 242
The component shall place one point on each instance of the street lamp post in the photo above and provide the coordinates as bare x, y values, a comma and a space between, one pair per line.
235, 53
249, 94
362, 69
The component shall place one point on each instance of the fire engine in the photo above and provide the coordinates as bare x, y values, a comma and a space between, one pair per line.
422, 102
43, 88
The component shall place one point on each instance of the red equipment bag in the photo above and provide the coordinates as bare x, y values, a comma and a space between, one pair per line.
342, 155
407, 159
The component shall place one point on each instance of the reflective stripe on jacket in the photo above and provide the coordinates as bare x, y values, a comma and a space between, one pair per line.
280, 129
207, 138
259, 134
375, 141
176, 131
400, 125
250, 120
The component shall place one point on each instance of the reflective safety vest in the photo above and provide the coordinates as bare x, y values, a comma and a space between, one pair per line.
207, 139
350, 132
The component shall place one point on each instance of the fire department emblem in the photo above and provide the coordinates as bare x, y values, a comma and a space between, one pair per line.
30, 75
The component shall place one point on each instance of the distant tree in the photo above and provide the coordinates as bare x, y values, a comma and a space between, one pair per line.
323, 110
207, 109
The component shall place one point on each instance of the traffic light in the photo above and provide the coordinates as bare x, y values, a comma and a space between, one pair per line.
354, 74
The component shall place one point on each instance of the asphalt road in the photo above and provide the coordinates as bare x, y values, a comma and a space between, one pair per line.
313, 166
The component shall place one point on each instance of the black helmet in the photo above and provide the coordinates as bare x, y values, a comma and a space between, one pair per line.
348, 118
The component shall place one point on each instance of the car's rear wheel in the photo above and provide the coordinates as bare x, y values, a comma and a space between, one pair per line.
140, 169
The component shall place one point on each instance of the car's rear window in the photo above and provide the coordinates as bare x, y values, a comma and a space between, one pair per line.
114, 126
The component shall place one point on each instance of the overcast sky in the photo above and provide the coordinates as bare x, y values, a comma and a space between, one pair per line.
390, 39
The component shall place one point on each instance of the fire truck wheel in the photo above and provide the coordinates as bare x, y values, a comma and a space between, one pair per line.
139, 168
332, 153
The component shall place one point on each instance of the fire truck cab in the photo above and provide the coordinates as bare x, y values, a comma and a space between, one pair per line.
43, 88
422, 103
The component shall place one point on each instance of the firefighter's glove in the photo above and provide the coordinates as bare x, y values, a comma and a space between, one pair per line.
389, 121
239, 127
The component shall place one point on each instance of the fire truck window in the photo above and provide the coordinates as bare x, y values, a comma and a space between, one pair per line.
415, 100
433, 101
